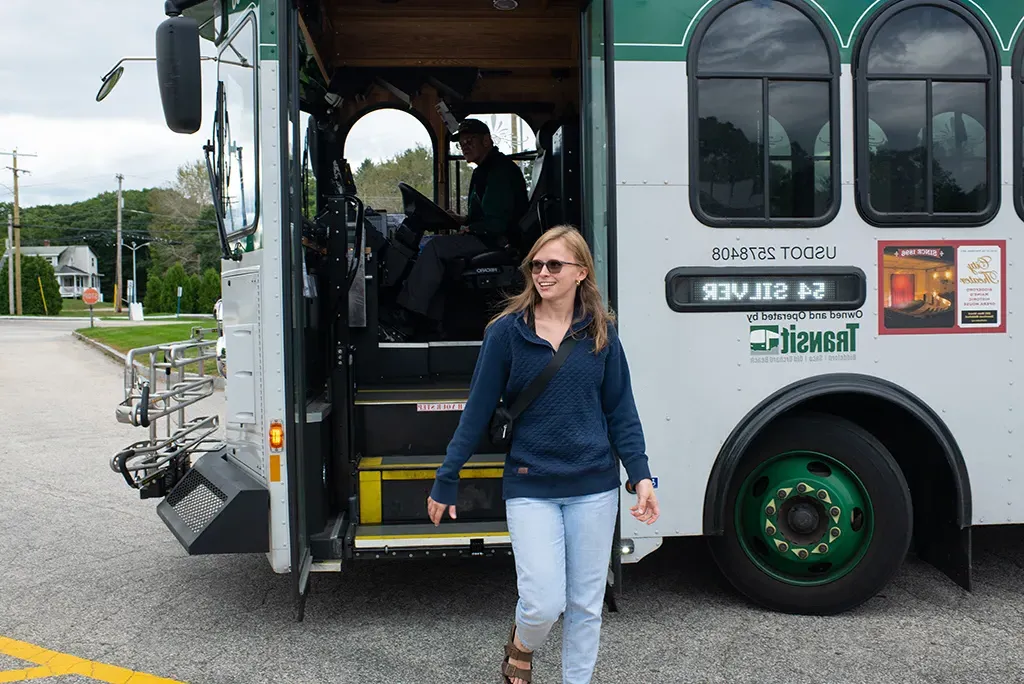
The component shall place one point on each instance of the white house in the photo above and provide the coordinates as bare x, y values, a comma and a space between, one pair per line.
75, 266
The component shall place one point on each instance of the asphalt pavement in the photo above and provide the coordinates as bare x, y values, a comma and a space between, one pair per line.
89, 572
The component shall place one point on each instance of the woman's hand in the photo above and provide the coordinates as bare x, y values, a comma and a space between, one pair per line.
646, 509
436, 511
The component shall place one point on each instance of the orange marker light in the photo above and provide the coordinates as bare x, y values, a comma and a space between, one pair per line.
276, 436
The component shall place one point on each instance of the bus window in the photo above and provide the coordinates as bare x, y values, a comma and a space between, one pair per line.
512, 135
240, 155
1018, 125
763, 95
386, 147
926, 117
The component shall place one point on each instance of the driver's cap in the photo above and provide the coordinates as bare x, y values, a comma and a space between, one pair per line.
470, 127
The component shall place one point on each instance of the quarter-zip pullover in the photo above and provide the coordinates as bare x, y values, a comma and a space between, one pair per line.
565, 442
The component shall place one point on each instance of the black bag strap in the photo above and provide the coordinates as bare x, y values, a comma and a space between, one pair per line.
534, 389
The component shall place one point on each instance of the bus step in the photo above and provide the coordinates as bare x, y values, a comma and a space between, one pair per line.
427, 393
394, 489
415, 420
450, 540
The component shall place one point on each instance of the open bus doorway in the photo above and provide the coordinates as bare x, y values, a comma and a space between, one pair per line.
396, 403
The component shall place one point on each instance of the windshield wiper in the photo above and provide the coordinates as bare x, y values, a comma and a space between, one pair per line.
215, 176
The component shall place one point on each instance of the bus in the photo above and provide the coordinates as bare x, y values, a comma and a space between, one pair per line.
802, 213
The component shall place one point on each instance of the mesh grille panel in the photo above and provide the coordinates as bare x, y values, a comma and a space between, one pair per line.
196, 500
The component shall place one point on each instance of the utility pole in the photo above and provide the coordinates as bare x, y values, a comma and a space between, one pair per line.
117, 287
10, 264
17, 229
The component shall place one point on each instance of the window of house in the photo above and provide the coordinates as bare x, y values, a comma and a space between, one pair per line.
927, 125
764, 81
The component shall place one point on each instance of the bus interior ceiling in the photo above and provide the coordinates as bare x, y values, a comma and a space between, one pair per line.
476, 58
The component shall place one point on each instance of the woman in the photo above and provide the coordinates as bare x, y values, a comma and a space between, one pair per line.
561, 479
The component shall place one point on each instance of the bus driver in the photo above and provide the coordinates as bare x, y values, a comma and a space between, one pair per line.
497, 200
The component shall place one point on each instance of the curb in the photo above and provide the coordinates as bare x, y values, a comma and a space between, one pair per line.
218, 382
6, 317
109, 351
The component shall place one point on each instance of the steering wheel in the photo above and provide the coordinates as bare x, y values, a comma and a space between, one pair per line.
423, 213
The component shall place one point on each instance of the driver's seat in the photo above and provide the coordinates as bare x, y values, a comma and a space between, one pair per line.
487, 270
497, 268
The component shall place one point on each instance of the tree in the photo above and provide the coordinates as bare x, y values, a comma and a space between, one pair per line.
154, 300
173, 279
184, 221
378, 183
35, 271
93, 222
209, 291
190, 294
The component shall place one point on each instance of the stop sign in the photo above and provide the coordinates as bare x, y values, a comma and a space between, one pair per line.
90, 296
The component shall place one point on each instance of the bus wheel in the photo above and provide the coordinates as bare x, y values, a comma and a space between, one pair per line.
818, 518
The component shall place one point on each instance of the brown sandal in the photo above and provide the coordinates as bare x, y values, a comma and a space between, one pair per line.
510, 671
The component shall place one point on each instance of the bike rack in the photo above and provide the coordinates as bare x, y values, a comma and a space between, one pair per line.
156, 464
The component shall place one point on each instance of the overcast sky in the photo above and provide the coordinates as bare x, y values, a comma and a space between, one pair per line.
53, 54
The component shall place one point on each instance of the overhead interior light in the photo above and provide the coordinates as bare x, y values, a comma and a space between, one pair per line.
505, 4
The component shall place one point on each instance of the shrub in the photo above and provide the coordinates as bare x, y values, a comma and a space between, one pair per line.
34, 270
153, 302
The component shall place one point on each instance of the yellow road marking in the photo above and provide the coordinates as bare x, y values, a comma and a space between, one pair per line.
54, 664
25, 675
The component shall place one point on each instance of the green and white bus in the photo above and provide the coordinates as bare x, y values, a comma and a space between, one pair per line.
802, 212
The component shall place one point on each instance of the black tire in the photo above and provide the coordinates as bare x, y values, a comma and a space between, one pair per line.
892, 512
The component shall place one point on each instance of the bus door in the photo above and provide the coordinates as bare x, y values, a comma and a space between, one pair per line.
291, 134
597, 177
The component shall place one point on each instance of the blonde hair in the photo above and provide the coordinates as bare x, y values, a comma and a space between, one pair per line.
588, 297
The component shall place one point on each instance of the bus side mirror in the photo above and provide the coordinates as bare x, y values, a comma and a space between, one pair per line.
178, 73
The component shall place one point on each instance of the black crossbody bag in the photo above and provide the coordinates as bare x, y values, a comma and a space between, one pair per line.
503, 420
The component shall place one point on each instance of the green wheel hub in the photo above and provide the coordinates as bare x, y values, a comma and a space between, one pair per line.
803, 518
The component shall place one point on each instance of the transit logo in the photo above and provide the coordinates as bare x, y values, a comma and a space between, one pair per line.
787, 341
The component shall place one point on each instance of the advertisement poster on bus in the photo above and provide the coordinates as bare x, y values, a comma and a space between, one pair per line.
936, 287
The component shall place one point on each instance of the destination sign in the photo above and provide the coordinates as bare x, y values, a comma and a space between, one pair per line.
747, 289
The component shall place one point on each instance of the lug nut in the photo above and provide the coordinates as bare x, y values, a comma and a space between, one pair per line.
783, 547
834, 511
781, 493
802, 553
835, 532
822, 494
770, 510
801, 488
770, 530
822, 548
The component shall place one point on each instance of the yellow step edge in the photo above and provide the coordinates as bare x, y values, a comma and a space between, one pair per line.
439, 535
471, 474
371, 499
413, 389
377, 463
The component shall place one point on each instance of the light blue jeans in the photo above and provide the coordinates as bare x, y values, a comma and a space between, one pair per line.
562, 548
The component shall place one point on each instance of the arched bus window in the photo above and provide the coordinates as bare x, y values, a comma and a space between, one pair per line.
386, 147
927, 117
1018, 124
512, 135
764, 92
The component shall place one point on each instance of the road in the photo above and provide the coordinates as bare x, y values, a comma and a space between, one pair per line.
90, 571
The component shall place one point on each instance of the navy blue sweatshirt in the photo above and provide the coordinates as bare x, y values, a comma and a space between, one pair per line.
562, 444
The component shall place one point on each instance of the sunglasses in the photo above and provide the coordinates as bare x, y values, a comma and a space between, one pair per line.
554, 265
